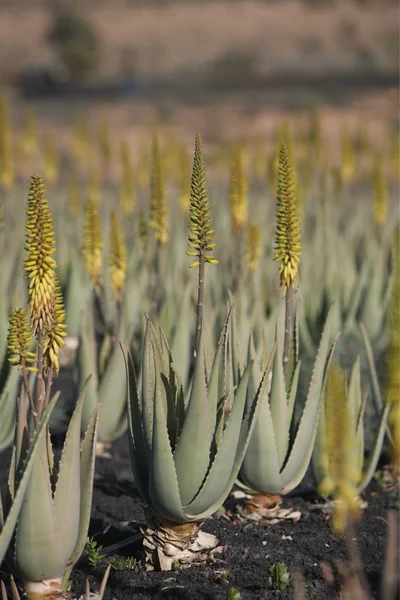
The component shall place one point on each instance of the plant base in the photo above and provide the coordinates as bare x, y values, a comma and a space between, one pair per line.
46, 588
169, 545
264, 508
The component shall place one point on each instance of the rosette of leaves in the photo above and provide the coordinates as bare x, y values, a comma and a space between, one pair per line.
280, 447
185, 455
350, 402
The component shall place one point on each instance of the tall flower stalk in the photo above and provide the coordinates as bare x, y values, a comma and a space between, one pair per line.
287, 241
201, 233
44, 297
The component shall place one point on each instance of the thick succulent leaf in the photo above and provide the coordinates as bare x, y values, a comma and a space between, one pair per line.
301, 450
163, 485
173, 405
24, 476
38, 551
356, 408
139, 450
355, 297
222, 473
372, 370
320, 459
292, 401
87, 468
278, 405
376, 450
148, 385
67, 495
260, 468
88, 365
293, 357
213, 388
181, 341
235, 346
354, 394
112, 397
8, 406
192, 453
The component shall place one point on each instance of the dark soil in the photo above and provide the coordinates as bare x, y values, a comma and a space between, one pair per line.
249, 549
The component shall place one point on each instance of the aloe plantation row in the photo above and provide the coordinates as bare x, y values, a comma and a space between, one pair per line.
275, 352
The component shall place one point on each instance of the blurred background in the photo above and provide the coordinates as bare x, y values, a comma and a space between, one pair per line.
225, 68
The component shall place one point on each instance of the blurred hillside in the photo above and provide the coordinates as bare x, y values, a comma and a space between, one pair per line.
218, 39
226, 68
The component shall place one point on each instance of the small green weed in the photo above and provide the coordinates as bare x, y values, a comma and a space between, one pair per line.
93, 550
279, 576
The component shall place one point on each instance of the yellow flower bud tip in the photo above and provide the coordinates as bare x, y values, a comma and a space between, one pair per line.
158, 205
93, 245
253, 246
118, 257
287, 241
381, 194
200, 221
238, 190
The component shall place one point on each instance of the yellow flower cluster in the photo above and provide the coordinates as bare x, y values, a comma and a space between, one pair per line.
93, 245
381, 195
341, 452
19, 340
253, 246
238, 190
201, 233
287, 244
45, 302
158, 206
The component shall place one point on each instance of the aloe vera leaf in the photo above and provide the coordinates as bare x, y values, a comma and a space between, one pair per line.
67, 492
88, 365
293, 394
213, 387
279, 409
112, 397
224, 469
192, 452
37, 548
372, 370
301, 450
260, 467
148, 386
163, 484
356, 408
138, 448
87, 469
376, 449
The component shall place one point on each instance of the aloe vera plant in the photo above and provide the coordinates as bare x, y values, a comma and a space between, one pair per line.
185, 455
279, 451
53, 520
323, 463
185, 458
